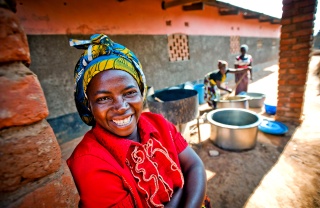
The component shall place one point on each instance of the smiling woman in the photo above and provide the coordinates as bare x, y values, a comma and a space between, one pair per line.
128, 158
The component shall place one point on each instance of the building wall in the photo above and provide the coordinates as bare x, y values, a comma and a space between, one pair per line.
142, 26
133, 17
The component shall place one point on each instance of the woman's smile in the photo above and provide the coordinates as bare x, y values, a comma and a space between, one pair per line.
123, 122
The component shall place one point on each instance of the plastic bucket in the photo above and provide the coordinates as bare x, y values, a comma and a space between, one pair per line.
200, 89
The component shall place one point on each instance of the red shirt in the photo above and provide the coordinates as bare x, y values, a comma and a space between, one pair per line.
110, 171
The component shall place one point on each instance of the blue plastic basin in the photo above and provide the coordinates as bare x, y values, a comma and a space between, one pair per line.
270, 109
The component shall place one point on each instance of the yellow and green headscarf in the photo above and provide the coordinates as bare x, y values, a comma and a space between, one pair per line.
101, 54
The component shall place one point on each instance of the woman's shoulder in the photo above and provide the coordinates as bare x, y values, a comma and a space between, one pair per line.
153, 118
154, 122
90, 147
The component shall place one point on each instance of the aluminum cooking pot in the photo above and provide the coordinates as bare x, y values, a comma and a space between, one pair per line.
256, 100
233, 128
233, 102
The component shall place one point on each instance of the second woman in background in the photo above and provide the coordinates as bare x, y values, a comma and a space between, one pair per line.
243, 61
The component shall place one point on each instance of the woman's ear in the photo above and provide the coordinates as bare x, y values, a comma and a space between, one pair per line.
89, 106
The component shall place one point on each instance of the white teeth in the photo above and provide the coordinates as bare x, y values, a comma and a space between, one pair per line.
122, 122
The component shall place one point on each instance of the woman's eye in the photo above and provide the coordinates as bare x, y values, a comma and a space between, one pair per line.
130, 93
103, 99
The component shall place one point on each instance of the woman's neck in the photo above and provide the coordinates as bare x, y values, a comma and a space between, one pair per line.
134, 136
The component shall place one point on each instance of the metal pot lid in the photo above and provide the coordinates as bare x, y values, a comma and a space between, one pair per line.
273, 127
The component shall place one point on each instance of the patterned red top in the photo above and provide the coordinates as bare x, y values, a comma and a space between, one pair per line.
110, 171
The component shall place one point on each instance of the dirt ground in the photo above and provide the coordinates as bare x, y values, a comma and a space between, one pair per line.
232, 177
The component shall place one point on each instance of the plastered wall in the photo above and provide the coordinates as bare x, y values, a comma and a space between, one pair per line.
133, 17
143, 27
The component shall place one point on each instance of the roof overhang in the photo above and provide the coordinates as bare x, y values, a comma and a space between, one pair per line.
224, 9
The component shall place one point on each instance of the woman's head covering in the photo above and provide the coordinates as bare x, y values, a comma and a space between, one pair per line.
222, 63
101, 54
245, 47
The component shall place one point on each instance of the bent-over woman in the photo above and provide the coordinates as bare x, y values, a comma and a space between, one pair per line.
213, 81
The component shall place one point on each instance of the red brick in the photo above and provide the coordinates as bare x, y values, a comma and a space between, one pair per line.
295, 95
289, 54
27, 153
301, 4
300, 59
305, 52
285, 119
284, 76
287, 2
303, 18
282, 82
293, 114
288, 28
288, 41
13, 41
287, 7
298, 71
22, 100
283, 70
299, 100
282, 95
282, 108
285, 21
283, 59
282, 98
285, 35
296, 82
300, 46
304, 25
55, 190
304, 32
302, 65
286, 88
285, 47
294, 105
300, 89
309, 9
287, 13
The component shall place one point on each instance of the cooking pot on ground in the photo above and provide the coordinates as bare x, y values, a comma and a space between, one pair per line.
256, 100
234, 129
179, 106
233, 102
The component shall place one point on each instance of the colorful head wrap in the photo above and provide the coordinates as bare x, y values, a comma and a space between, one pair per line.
101, 54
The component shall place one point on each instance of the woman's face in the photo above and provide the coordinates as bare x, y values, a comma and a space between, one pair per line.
222, 68
243, 51
115, 102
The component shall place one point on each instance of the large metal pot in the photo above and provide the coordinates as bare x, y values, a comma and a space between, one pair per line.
233, 102
234, 129
256, 100
179, 106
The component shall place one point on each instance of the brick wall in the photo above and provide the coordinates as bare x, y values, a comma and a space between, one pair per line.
32, 173
295, 45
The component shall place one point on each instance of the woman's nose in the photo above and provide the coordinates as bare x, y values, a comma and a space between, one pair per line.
121, 104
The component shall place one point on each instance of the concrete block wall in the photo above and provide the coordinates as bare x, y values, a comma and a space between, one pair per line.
32, 173
295, 47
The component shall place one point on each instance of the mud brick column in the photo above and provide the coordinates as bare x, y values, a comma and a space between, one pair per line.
295, 45
32, 173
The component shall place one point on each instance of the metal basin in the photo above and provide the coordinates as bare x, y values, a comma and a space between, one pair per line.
179, 106
234, 129
256, 100
233, 102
